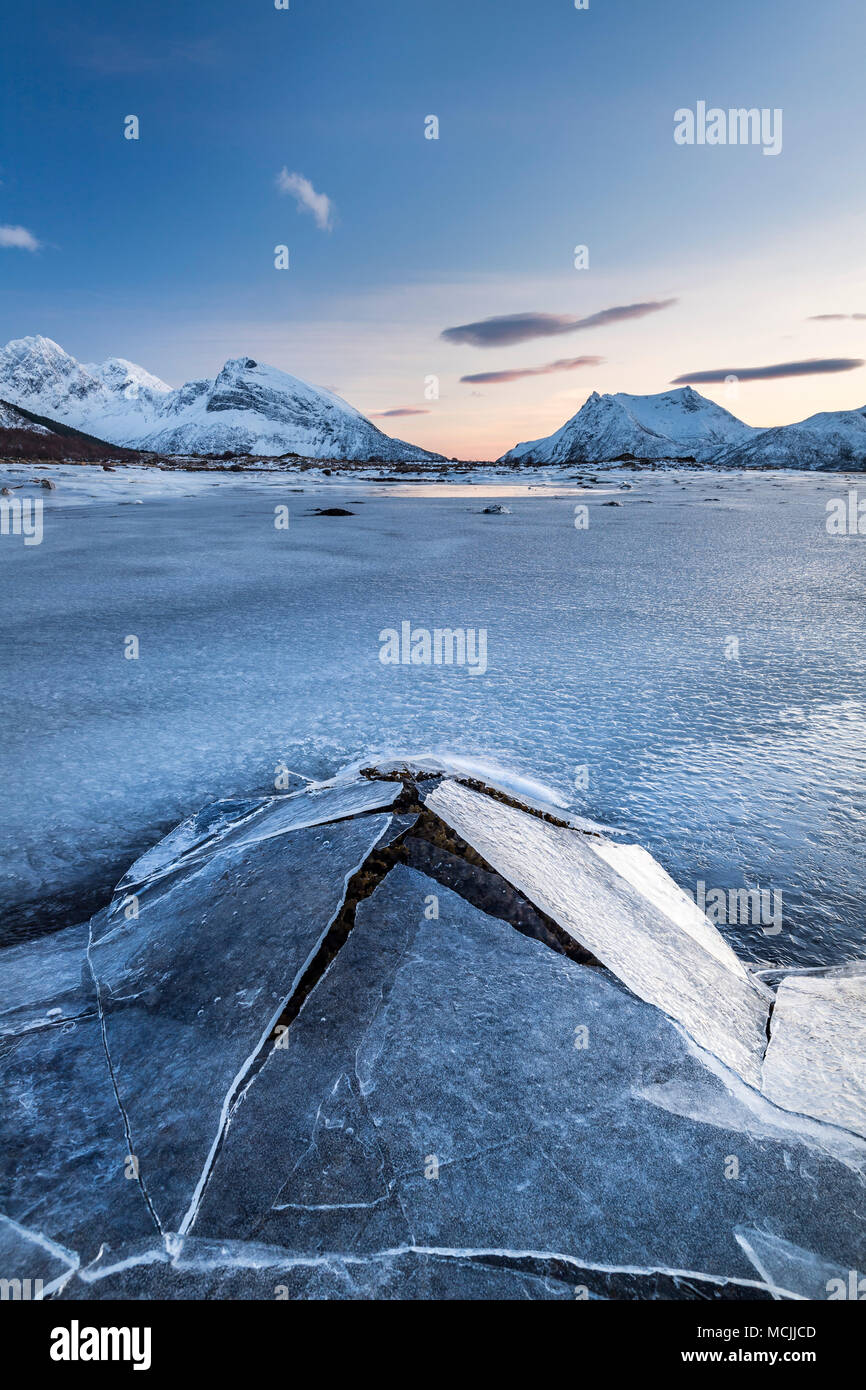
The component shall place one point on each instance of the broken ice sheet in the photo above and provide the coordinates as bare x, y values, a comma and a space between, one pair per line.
816, 1058
655, 955
227, 823
45, 982
527, 791
204, 1269
29, 1255
192, 988
790, 1269
435, 1092
63, 1149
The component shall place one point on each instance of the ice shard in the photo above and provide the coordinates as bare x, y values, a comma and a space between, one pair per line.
816, 1058
663, 961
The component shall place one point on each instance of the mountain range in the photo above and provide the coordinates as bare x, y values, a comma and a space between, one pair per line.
253, 409
249, 408
683, 425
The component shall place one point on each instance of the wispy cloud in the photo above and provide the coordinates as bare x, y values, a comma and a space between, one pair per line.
20, 237
505, 329
832, 318
564, 364
402, 410
113, 55
306, 197
812, 366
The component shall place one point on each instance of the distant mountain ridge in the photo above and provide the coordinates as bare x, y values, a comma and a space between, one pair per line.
682, 425
249, 408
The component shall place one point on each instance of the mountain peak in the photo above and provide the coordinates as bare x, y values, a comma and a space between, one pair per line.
250, 408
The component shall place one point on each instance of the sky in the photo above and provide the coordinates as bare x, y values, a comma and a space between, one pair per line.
307, 128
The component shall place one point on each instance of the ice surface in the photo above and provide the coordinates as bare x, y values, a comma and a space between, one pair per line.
232, 824
526, 790
637, 865
193, 986
63, 1147
605, 652
816, 1058
789, 1269
202, 1269
454, 1040
46, 982
650, 952
29, 1255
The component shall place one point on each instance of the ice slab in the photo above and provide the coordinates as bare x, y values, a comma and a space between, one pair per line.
438, 1091
45, 982
192, 987
40, 1264
816, 1058
652, 953
792, 1271
63, 1150
643, 872
529, 792
202, 1269
235, 823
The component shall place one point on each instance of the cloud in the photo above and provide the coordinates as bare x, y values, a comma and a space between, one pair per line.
812, 366
403, 410
564, 364
306, 197
834, 318
505, 329
20, 237
110, 54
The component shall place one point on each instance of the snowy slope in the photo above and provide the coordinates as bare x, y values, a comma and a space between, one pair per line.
249, 408
672, 424
834, 439
12, 419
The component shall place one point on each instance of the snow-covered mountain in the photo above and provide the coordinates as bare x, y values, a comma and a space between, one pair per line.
832, 440
11, 418
683, 424
248, 408
671, 425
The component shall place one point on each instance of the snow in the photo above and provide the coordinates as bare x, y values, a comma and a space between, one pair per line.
651, 953
831, 439
684, 424
672, 424
12, 419
249, 408
816, 1058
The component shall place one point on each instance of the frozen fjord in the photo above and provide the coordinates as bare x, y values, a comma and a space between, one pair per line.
606, 651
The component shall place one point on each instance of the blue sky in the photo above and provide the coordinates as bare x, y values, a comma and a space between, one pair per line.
556, 129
